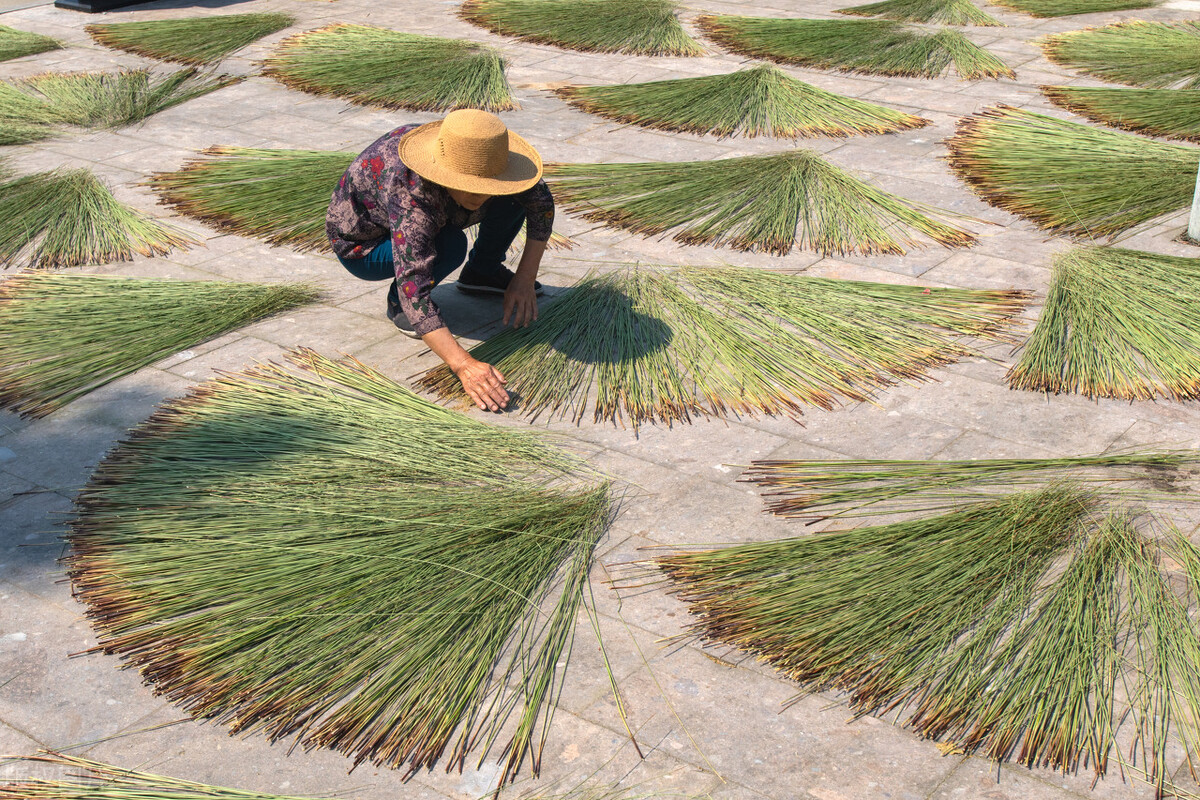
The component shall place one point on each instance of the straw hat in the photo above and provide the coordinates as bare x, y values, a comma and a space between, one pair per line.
472, 151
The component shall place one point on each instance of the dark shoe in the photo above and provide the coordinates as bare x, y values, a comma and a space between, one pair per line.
490, 283
399, 320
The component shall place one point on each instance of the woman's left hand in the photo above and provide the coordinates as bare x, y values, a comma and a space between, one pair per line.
520, 302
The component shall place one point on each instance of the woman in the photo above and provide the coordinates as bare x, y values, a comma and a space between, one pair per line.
399, 212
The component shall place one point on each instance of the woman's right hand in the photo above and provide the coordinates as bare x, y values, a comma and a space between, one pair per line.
483, 383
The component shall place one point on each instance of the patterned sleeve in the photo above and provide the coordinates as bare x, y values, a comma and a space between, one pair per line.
413, 251
539, 211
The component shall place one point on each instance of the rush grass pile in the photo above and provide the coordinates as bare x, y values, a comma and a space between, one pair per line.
389, 69
942, 12
65, 335
641, 345
315, 553
1000, 626
67, 217
769, 203
1066, 8
634, 27
39, 107
1117, 323
196, 40
1153, 55
1071, 178
868, 46
1170, 113
277, 195
759, 101
15, 43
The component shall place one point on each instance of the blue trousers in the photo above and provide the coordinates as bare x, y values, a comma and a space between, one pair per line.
502, 221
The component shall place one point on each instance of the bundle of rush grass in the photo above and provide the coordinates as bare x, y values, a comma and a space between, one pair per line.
1117, 323
960, 623
277, 195
768, 203
38, 107
868, 46
1153, 55
635, 27
1071, 178
1067, 8
645, 346
1170, 113
67, 217
942, 12
267, 557
15, 43
759, 101
388, 69
66, 335
195, 40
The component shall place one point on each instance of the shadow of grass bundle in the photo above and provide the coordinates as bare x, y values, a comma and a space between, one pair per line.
196, 41
1153, 55
768, 203
269, 558
389, 69
868, 46
277, 195
635, 27
39, 107
1117, 323
1066, 8
646, 346
759, 101
1071, 178
65, 335
1002, 626
67, 217
1170, 113
15, 43
942, 12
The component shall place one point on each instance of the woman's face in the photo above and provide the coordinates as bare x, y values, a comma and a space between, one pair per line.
469, 200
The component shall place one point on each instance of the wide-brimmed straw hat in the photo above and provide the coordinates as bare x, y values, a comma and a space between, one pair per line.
472, 151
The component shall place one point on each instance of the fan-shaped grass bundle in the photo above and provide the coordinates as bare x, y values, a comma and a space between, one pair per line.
1171, 113
268, 557
962, 625
770, 203
1153, 55
1066, 8
277, 195
1117, 323
868, 46
389, 69
759, 101
67, 217
65, 335
647, 346
15, 43
942, 12
36, 108
1071, 178
196, 40
636, 27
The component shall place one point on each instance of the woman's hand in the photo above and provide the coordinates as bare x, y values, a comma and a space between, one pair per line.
483, 383
520, 302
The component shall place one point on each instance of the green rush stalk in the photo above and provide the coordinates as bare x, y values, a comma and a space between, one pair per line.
1170, 113
1066, 8
868, 46
15, 43
195, 41
941, 12
268, 557
66, 335
635, 27
758, 101
1153, 55
393, 70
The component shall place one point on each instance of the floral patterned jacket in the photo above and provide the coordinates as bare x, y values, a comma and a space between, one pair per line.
378, 196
